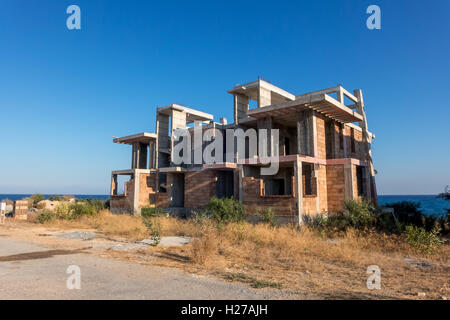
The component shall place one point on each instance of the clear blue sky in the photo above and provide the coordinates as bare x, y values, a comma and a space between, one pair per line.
64, 93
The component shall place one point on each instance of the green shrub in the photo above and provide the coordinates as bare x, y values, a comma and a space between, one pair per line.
62, 211
56, 198
268, 216
360, 214
36, 198
408, 213
152, 212
45, 216
69, 211
226, 210
154, 229
422, 240
317, 221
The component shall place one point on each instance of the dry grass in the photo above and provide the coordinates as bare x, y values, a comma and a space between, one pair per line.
301, 261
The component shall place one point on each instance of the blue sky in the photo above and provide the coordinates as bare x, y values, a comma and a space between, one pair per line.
64, 93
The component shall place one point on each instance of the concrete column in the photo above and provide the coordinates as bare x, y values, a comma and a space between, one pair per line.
298, 185
114, 184
264, 97
367, 140
314, 148
348, 181
136, 192
241, 183
367, 183
240, 107
134, 156
315, 174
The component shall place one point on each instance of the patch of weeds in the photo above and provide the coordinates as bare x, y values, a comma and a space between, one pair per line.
148, 212
268, 217
422, 240
153, 228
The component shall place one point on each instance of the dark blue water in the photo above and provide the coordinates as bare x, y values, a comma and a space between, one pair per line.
14, 197
430, 204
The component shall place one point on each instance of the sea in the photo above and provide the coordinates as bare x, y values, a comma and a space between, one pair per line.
429, 204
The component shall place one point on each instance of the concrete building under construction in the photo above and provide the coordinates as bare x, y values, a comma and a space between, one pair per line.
323, 153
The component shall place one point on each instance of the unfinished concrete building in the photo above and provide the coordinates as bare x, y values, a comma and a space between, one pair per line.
323, 153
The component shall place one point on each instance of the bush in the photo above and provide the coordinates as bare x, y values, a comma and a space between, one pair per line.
268, 216
408, 213
153, 228
45, 216
360, 214
422, 240
152, 212
69, 211
36, 198
316, 221
55, 198
62, 211
226, 210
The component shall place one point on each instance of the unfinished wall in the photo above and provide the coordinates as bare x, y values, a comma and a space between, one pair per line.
199, 187
336, 188
254, 201
162, 199
147, 189
124, 203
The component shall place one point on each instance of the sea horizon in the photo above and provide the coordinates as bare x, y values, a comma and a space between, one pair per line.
429, 203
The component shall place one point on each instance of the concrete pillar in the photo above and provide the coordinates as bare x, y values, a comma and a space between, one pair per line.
314, 147
367, 141
114, 185
136, 192
348, 181
162, 142
298, 185
134, 156
344, 129
240, 107
367, 183
264, 97
241, 183
315, 174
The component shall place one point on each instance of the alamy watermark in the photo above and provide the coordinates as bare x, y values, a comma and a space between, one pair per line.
74, 20
374, 20
74, 279
374, 280
253, 147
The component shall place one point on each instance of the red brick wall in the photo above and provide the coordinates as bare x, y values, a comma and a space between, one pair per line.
162, 199
336, 185
309, 205
199, 187
147, 188
253, 201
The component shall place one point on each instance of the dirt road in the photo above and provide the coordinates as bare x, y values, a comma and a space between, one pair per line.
31, 271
